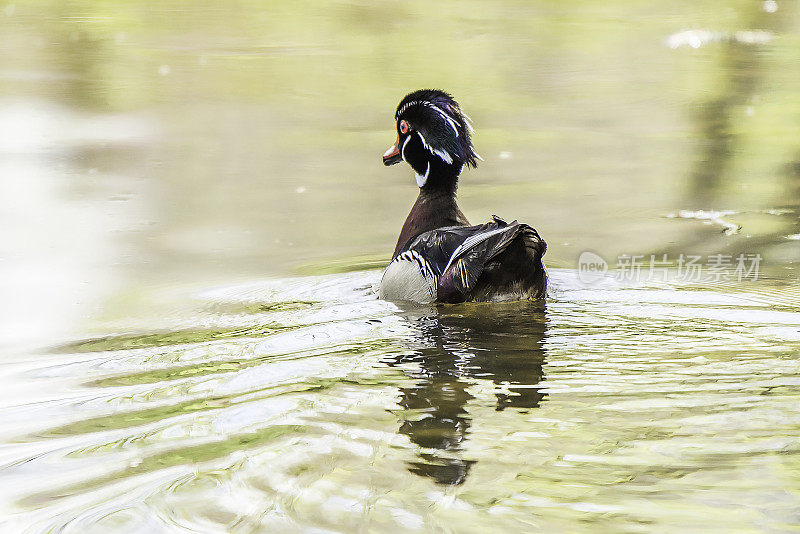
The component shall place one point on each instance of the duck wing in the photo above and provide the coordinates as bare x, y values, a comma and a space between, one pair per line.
457, 256
467, 261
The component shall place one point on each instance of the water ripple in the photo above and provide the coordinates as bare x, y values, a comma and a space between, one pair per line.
309, 404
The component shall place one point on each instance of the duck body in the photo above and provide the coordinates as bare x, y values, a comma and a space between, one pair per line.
439, 257
495, 261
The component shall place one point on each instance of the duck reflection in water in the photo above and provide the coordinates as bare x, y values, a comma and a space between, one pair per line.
457, 348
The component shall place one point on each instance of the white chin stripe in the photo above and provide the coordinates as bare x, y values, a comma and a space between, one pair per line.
422, 180
403, 150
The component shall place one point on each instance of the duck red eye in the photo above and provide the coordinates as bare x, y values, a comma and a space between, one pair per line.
404, 127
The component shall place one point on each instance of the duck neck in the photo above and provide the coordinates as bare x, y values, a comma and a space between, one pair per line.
434, 208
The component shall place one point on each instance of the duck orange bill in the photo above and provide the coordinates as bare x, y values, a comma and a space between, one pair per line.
392, 156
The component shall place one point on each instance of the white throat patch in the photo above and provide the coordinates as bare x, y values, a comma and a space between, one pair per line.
422, 180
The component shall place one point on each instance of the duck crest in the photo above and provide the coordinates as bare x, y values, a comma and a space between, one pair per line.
443, 129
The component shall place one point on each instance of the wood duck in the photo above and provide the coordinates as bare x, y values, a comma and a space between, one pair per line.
439, 257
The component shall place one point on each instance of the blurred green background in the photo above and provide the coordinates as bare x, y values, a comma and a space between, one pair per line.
160, 143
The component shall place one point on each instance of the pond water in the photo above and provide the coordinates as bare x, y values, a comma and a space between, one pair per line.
194, 220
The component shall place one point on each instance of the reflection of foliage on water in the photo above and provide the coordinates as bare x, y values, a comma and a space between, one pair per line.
134, 418
729, 140
174, 457
743, 70
162, 339
459, 347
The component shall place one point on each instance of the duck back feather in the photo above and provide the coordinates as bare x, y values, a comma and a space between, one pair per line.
492, 261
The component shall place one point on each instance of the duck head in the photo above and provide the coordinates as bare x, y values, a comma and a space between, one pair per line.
433, 136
